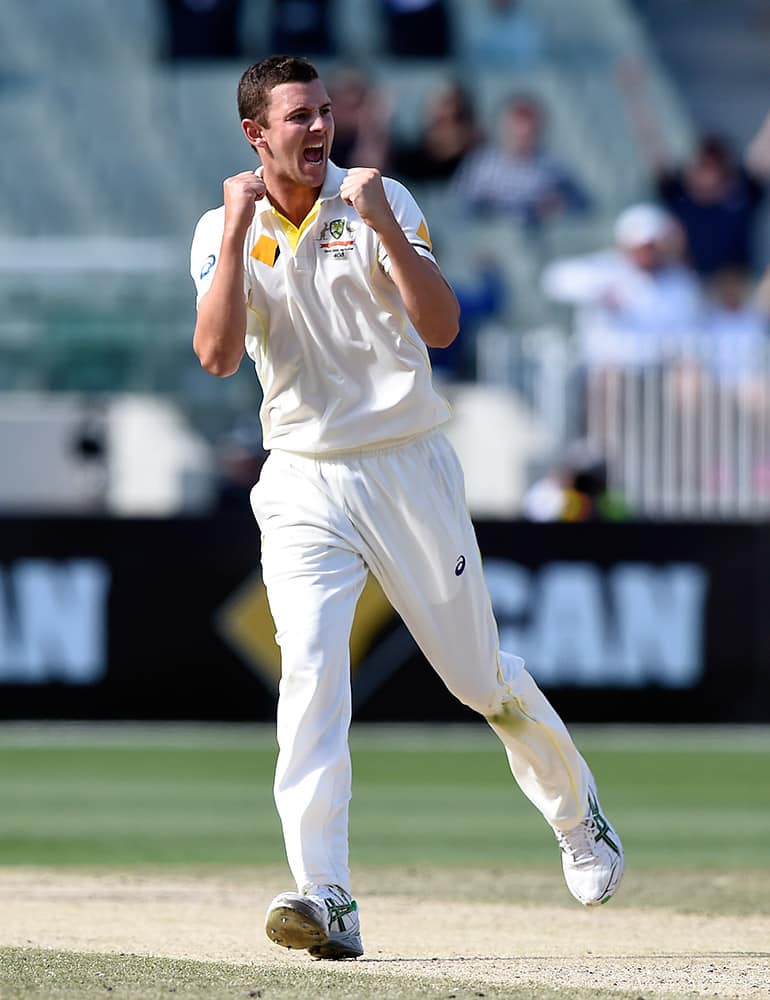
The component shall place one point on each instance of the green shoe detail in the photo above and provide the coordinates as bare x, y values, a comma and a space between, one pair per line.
602, 826
337, 911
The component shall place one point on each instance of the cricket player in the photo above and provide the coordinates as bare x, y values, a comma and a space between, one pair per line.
326, 279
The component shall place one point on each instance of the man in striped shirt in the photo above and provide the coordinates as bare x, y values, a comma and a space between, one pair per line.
514, 175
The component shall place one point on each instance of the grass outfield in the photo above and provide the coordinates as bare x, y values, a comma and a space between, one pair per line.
131, 795
435, 819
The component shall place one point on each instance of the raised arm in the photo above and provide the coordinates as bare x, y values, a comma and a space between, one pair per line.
634, 86
220, 329
757, 158
428, 299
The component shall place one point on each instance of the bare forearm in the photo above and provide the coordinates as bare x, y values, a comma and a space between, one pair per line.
220, 331
221, 326
429, 301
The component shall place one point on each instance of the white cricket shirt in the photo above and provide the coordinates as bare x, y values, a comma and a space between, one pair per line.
342, 368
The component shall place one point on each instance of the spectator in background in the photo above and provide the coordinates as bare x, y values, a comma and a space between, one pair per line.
735, 335
447, 135
417, 28
634, 299
575, 489
302, 27
361, 122
514, 175
499, 34
716, 199
202, 29
715, 195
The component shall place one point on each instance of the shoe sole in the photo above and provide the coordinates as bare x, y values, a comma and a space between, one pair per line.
335, 951
296, 926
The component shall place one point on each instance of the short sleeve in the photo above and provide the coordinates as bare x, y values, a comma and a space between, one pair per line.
204, 253
409, 216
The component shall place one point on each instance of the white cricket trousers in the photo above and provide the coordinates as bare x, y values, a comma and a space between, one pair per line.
399, 513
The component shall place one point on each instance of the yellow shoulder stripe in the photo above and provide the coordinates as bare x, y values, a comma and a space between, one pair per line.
422, 232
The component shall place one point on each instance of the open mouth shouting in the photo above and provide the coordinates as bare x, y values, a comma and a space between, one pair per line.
314, 153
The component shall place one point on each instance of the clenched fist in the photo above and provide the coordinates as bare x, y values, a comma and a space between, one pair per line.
242, 192
362, 188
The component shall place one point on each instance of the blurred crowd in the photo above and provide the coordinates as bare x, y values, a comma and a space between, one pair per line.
678, 286
493, 30
681, 273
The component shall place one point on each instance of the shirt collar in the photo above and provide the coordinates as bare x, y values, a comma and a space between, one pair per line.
329, 189
331, 186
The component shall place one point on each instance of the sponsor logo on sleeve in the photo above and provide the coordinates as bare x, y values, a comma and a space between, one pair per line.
208, 264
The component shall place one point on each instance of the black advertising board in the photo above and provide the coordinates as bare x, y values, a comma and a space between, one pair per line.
168, 619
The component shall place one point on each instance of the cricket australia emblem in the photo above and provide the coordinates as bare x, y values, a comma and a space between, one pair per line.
338, 238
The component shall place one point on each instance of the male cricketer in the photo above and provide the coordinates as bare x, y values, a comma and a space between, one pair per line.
326, 279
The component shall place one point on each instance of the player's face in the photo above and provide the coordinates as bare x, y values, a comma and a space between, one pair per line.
298, 134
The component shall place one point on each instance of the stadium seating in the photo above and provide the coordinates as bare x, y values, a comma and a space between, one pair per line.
140, 145
105, 139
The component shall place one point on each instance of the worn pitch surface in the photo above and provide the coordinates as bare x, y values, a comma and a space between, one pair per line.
138, 863
419, 934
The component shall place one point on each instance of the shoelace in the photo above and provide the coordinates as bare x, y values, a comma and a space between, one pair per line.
337, 902
580, 841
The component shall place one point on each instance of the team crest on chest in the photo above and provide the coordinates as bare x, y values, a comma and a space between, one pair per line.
338, 238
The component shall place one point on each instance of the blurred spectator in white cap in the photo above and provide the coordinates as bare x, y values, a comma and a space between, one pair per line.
635, 300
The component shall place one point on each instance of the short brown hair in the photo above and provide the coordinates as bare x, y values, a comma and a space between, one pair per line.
258, 80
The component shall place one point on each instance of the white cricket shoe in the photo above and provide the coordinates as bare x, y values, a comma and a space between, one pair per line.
592, 856
323, 919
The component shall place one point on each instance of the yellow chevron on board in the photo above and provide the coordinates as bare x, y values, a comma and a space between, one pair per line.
246, 624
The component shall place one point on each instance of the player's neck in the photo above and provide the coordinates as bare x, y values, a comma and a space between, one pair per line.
291, 200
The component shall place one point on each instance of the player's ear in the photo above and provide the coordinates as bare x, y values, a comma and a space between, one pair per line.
253, 132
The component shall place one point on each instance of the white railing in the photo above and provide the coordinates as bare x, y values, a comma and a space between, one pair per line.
683, 436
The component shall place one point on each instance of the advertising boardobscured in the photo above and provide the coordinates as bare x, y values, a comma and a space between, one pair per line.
155, 619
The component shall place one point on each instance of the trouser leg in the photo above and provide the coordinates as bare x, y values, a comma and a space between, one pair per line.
541, 753
313, 583
425, 554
